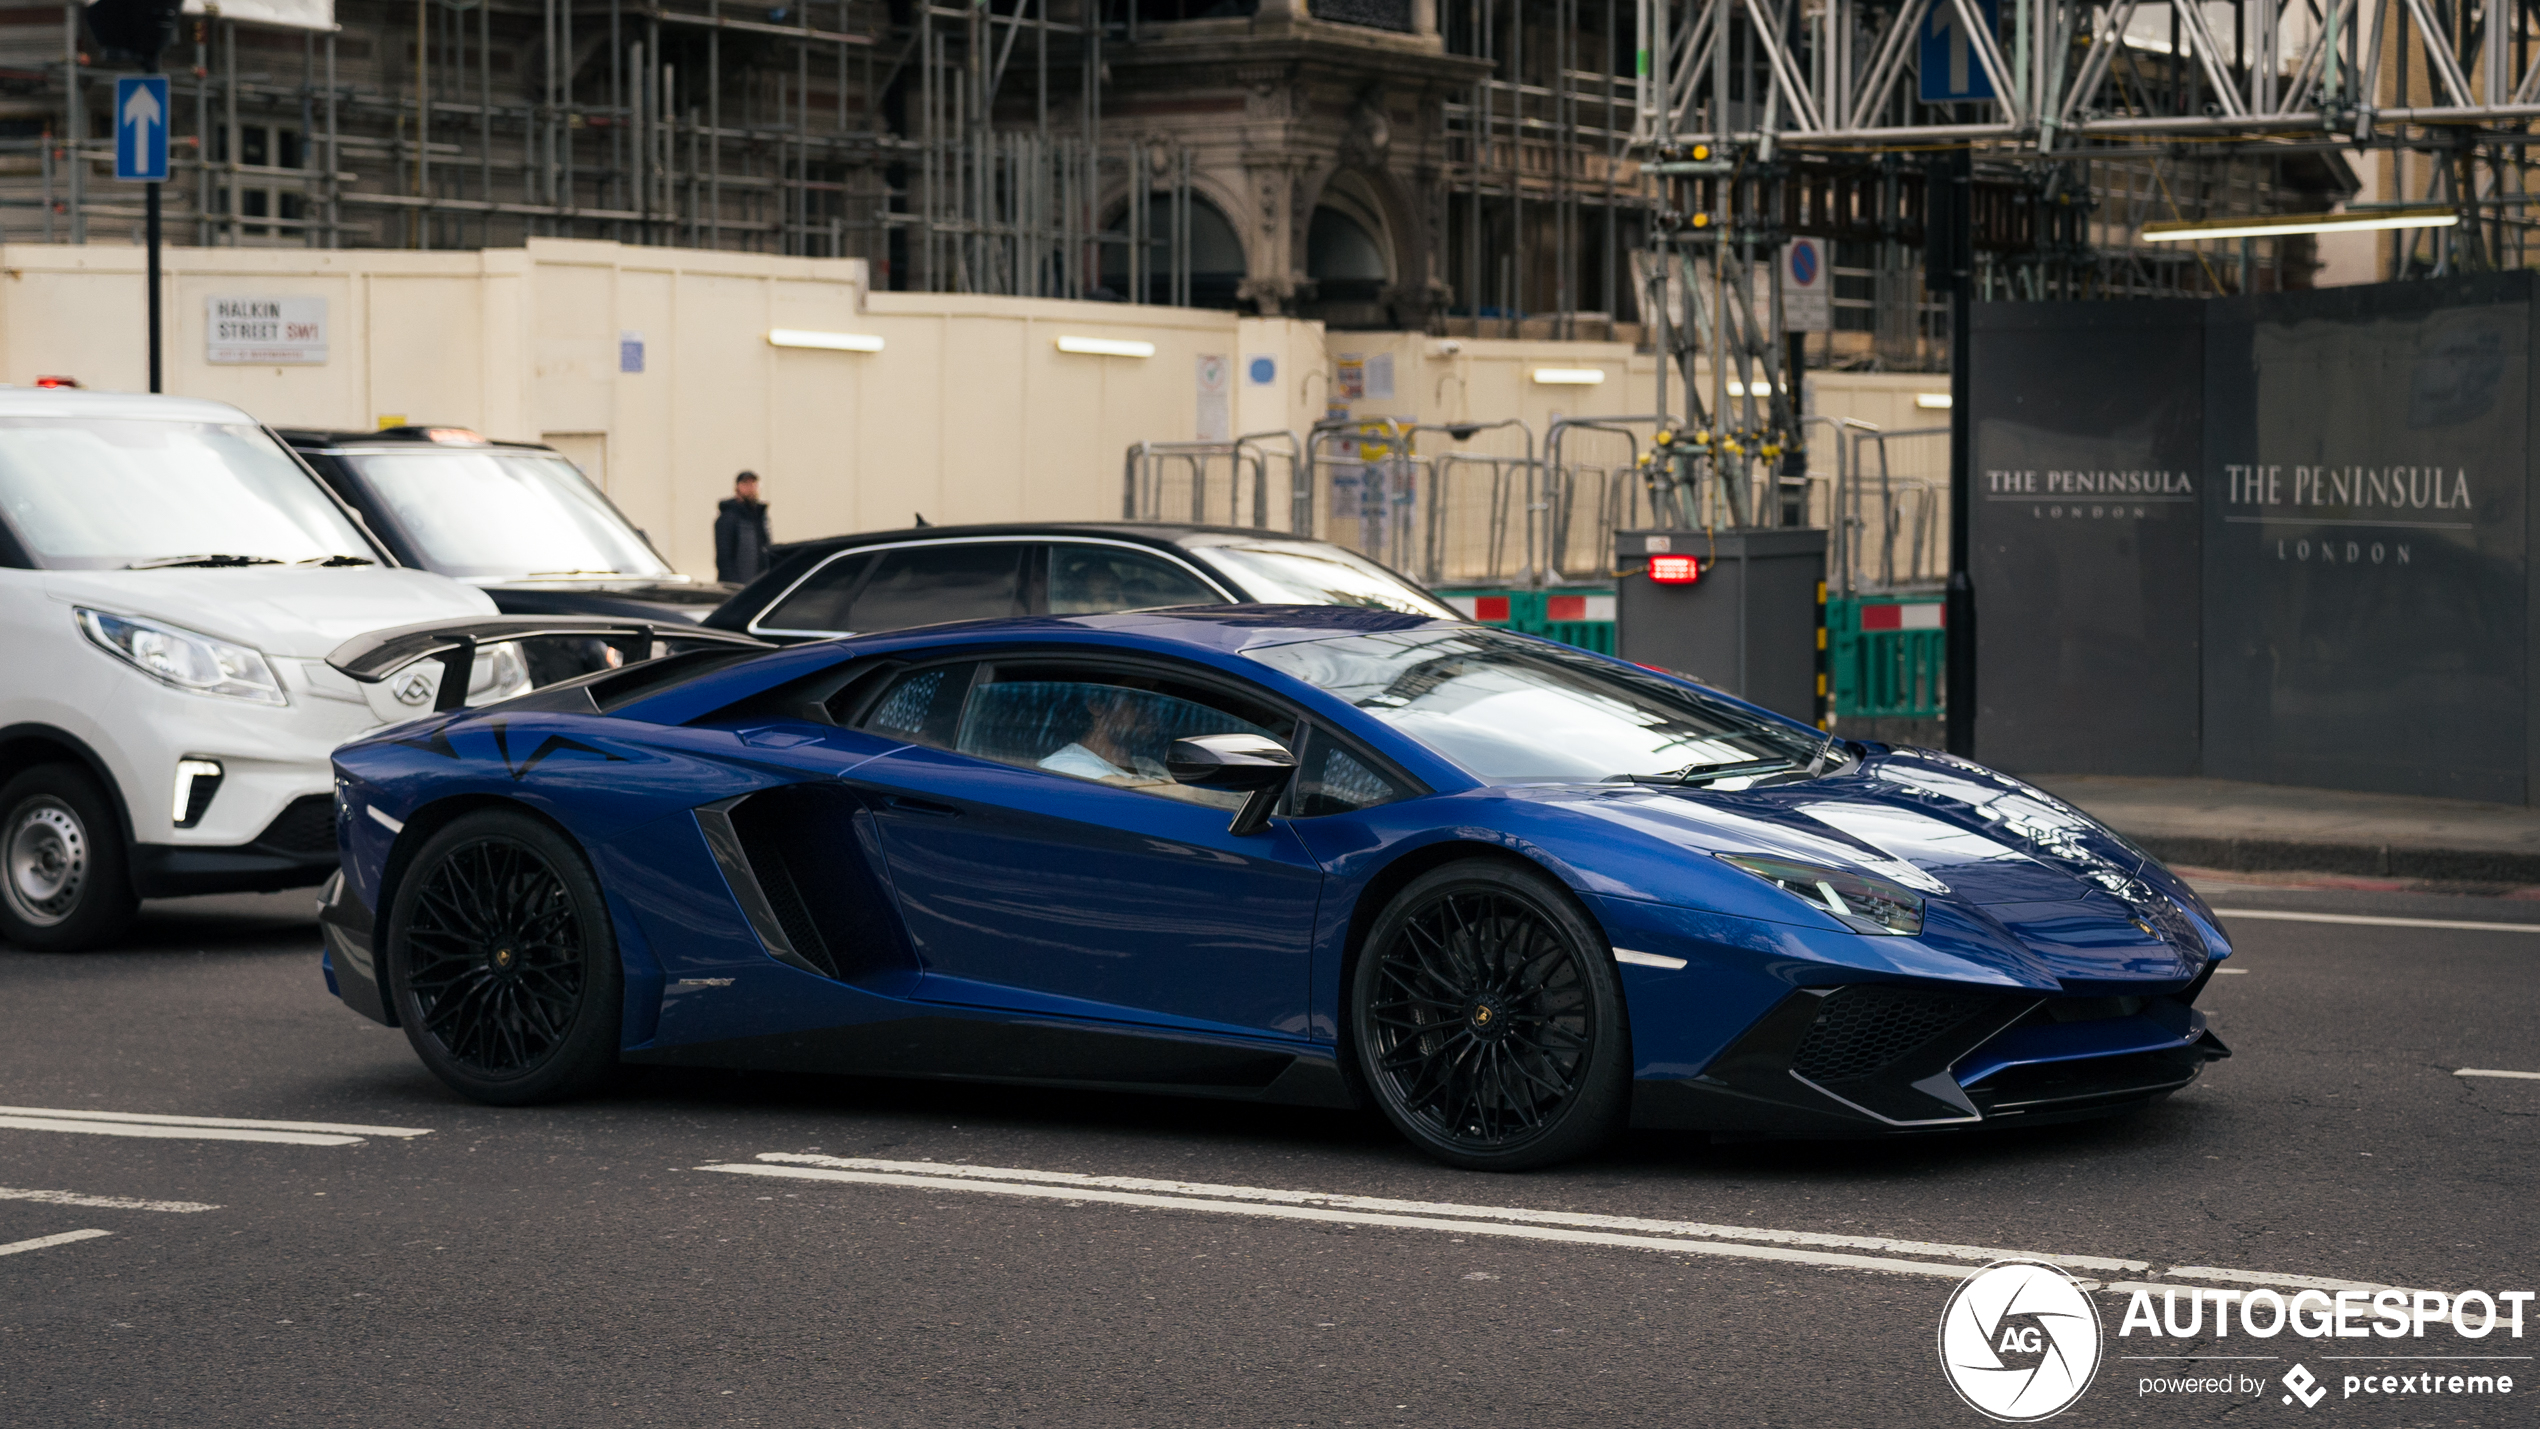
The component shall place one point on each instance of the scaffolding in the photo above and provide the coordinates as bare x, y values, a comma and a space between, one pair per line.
956, 148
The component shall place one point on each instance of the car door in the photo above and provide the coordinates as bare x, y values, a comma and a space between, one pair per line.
1043, 861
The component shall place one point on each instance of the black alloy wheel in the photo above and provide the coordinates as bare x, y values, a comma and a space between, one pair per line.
503, 963
1487, 1019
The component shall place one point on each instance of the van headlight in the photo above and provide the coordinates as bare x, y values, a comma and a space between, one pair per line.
1861, 903
182, 658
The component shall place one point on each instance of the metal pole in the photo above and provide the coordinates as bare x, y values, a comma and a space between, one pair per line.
150, 220
1961, 609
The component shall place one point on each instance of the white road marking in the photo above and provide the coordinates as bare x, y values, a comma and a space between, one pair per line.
336, 1129
2486, 1072
2372, 922
1978, 1253
1311, 1213
1449, 1209
184, 1133
1631, 1232
111, 1203
43, 1241
2231, 972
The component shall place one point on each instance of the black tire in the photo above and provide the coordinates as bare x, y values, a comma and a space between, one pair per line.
1487, 1022
503, 964
65, 875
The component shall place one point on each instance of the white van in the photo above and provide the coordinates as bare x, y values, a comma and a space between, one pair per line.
171, 579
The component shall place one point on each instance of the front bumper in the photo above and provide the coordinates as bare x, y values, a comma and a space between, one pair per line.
352, 969
1880, 1058
296, 849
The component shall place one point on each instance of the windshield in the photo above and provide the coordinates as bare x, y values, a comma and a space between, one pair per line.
1277, 572
504, 514
104, 494
1512, 709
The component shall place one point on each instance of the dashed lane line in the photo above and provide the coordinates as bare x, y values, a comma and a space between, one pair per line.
44, 1242
1580, 1228
108, 1203
2368, 921
195, 1128
2490, 1072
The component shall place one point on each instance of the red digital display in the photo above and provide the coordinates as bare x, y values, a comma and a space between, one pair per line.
1674, 570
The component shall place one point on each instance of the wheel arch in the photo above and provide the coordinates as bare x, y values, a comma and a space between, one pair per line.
24, 746
431, 819
1381, 889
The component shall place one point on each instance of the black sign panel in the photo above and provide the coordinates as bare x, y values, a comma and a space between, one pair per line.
2367, 453
2088, 449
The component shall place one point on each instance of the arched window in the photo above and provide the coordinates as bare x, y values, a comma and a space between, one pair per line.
1216, 254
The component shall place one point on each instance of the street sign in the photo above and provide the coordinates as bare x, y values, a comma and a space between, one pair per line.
1951, 71
141, 128
262, 331
1807, 286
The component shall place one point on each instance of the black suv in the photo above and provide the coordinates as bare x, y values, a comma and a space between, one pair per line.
888, 580
515, 519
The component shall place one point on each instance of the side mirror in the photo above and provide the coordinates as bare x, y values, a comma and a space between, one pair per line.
1240, 763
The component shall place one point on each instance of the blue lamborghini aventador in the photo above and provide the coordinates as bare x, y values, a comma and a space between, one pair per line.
1515, 895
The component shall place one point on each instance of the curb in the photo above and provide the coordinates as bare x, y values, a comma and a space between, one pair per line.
2370, 860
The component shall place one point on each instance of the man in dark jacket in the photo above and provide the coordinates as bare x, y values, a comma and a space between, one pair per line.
740, 533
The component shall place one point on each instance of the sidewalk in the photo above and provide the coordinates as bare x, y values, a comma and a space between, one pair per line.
2215, 823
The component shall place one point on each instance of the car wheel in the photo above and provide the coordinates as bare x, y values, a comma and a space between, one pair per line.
65, 878
503, 964
1487, 1020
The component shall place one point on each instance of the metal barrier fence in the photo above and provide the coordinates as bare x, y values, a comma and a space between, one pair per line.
1484, 505
1233, 483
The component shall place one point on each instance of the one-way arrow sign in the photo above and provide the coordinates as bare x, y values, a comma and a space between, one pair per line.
141, 127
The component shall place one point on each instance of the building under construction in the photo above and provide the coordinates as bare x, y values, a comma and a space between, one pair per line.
1468, 167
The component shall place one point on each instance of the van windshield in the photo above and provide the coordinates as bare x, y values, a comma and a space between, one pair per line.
86, 494
504, 515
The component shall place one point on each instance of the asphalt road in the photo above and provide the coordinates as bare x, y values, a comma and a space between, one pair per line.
578, 1265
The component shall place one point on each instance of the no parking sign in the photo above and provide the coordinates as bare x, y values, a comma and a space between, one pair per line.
1807, 286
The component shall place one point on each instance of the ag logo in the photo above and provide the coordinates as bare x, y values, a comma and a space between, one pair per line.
412, 688
2019, 1341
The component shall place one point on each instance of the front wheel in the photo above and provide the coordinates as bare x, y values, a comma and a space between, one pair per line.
1487, 1019
65, 878
503, 963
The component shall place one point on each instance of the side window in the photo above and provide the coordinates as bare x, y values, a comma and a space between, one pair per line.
1108, 726
924, 585
1089, 580
1331, 780
922, 706
820, 602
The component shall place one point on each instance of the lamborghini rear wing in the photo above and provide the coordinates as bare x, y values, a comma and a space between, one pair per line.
380, 654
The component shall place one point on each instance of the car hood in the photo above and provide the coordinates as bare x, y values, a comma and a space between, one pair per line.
300, 612
1998, 861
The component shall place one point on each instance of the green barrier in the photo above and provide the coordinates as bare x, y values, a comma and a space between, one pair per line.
1584, 618
1887, 656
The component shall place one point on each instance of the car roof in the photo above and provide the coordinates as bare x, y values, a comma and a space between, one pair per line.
1226, 628
128, 406
409, 438
1150, 533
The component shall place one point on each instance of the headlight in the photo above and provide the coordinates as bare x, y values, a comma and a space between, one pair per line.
182, 658
1861, 903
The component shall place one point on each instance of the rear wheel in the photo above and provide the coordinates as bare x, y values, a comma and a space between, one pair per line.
503, 964
1487, 1020
65, 876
